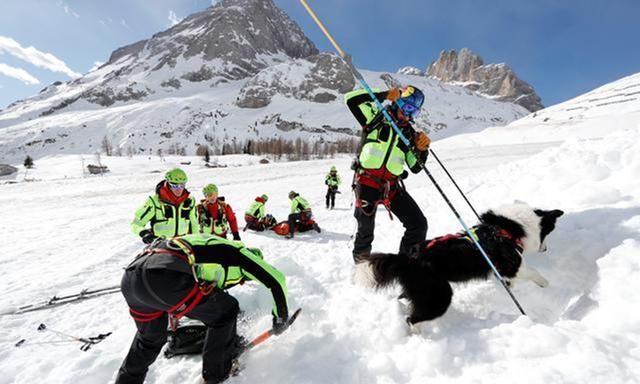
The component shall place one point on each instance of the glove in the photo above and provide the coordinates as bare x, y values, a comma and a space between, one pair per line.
279, 324
422, 141
393, 94
236, 236
147, 236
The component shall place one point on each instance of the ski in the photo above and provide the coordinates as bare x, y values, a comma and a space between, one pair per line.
61, 300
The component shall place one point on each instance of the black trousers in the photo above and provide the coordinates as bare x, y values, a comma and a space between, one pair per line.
163, 289
402, 206
292, 220
256, 225
330, 197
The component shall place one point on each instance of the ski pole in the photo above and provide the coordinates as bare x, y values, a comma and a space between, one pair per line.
24, 342
454, 183
87, 342
364, 84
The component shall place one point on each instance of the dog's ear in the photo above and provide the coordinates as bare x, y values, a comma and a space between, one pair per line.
554, 214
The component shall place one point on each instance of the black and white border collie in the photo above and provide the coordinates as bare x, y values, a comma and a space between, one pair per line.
424, 274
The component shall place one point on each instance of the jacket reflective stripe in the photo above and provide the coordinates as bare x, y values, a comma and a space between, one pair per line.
166, 220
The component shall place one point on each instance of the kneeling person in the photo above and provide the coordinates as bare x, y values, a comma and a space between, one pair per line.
255, 215
215, 215
300, 213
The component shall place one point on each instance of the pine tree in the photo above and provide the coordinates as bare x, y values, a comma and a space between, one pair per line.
28, 162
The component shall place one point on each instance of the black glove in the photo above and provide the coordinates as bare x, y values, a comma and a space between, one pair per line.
236, 236
147, 236
279, 324
404, 174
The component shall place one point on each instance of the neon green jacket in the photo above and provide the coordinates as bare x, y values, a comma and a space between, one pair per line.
227, 263
333, 181
166, 220
256, 209
381, 147
299, 204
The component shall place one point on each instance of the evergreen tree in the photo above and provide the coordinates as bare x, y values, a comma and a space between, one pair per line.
28, 162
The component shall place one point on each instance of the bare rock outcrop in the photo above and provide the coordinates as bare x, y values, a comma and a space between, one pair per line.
498, 81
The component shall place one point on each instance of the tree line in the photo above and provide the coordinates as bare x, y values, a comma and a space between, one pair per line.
277, 148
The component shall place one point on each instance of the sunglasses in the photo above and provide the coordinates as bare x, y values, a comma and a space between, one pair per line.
176, 185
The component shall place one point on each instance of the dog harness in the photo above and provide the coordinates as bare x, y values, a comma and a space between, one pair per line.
463, 235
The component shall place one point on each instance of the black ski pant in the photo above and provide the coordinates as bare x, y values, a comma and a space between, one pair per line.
292, 220
330, 197
402, 206
150, 290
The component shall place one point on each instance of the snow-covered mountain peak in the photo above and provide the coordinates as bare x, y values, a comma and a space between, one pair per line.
238, 71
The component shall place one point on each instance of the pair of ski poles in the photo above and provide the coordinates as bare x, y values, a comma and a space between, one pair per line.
87, 342
360, 78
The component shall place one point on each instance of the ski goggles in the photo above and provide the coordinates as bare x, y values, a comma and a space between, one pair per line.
410, 110
177, 185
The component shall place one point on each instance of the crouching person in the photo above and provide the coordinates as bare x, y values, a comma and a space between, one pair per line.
186, 276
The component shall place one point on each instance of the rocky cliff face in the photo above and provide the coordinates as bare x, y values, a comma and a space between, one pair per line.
244, 36
233, 40
495, 80
321, 78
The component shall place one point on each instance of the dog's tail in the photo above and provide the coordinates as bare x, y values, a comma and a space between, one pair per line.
379, 270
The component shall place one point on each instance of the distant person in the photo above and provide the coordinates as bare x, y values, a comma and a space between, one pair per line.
188, 276
215, 215
380, 165
332, 181
170, 212
300, 213
256, 217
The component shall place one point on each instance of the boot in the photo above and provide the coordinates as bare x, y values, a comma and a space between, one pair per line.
316, 227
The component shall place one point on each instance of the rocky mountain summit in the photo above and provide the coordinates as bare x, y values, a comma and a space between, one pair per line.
494, 80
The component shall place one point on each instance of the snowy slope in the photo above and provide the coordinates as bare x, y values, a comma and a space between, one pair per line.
70, 232
210, 116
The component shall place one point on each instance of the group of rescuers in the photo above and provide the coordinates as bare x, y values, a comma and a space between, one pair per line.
189, 265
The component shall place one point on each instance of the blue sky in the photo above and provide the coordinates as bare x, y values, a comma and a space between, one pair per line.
562, 47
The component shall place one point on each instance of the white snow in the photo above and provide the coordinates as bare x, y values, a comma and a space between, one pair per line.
66, 231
